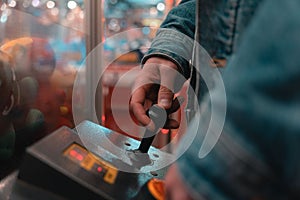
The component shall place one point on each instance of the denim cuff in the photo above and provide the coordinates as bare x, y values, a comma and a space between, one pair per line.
172, 45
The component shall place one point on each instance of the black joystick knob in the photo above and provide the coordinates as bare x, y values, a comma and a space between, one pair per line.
159, 117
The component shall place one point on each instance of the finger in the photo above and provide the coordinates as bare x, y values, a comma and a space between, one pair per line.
176, 104
169, 183
166, 91
171, 124
145, 92
137, 106
174, 185
165, 97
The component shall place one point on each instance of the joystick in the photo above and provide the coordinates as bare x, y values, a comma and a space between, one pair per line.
158, 116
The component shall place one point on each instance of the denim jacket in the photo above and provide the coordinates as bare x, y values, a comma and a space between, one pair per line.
257, 154
222, 24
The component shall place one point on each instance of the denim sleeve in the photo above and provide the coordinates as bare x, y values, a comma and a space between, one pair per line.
174, 39
257, 154
222, 23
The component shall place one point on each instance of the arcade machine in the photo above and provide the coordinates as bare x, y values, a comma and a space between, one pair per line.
102, 165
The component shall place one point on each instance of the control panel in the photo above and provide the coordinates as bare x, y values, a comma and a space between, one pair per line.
63, 165
91, 163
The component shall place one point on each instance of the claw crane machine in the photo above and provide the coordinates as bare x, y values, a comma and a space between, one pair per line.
72, 55
74, 61
46, 48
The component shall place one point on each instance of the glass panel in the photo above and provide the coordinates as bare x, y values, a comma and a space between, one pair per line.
43, 46
123, 15
45, 40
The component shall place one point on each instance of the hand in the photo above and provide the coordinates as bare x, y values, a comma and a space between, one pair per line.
155, 84
174, 186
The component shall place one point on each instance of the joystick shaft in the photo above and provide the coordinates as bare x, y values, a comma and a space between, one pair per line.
159, 117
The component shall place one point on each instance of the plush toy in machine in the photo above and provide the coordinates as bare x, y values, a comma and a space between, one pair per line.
31, 104
16, 113
34, 57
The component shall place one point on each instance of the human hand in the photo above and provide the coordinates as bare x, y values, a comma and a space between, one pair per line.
156, 84
175, 189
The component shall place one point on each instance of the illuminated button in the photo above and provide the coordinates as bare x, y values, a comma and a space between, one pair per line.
79, 157
76, 155
73, 153
99, 169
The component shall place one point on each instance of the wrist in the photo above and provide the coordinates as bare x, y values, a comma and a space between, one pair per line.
163, 61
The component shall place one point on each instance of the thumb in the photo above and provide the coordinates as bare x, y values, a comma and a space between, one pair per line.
166, 90
165, 97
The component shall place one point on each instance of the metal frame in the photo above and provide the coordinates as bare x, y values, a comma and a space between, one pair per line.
94, 30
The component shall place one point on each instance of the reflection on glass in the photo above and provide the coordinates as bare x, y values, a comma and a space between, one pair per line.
45, 41
124, 15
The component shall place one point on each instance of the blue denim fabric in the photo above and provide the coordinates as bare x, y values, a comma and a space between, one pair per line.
257, 155
222, 24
